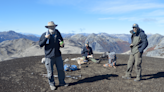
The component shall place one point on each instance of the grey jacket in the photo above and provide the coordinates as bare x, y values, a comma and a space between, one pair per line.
143, 42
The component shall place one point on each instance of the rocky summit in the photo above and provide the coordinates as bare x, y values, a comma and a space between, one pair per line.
23, 75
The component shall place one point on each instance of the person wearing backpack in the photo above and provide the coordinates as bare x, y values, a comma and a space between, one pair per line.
87, 54
138, 44
52, 41
111, 60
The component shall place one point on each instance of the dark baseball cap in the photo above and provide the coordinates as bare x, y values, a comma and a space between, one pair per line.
135, 26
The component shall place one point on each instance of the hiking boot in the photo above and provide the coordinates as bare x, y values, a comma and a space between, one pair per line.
126, 77
65, 85
98, 61
52, 87
114, 67
137, 79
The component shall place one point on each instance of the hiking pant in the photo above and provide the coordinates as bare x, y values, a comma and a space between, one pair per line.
91, 59
49, 63
134, 59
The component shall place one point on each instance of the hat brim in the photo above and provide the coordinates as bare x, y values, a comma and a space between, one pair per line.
50, 26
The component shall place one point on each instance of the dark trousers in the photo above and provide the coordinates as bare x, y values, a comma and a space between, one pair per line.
49, 63
136, 60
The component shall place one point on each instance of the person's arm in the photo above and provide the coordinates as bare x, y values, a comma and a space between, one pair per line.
61, 41
144, 42
82, 52
91, 53
115, 58
108, 55
60, 37
42, 40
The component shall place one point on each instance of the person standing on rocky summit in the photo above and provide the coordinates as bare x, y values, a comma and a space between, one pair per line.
52, 40
139, 43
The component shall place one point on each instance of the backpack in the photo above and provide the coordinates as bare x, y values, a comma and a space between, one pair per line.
68, 67
105, 54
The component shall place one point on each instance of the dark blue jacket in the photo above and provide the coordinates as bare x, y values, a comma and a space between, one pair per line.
53, 48
86, 52
144, 42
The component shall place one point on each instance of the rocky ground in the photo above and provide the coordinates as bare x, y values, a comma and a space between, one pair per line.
23, 75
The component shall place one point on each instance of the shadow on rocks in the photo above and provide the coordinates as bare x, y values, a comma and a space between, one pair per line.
95, 78
157, 75
121, 64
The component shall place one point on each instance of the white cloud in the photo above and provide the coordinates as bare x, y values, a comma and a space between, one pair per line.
122, 18
109, 18
160, 20
60, 2
157, 20
123, 6
108, 6
129, 18
149, 20
156, 13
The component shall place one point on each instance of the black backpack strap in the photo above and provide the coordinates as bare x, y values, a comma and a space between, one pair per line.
55, 35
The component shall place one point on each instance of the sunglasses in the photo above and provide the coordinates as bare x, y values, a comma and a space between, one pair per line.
51, 27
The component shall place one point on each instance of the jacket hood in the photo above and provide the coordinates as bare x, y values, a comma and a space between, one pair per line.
139, 31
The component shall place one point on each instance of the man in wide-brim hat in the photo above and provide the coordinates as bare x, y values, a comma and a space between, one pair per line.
53, 54
51, 24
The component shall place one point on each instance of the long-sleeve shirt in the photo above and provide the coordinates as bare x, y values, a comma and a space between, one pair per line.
87, 51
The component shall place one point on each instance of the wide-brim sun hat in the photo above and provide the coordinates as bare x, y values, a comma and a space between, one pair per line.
51, 24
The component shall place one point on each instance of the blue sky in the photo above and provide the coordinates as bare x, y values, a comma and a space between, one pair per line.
82, 16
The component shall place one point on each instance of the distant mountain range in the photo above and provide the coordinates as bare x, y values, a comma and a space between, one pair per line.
11, 35
22, 47
27, 34
12, 42
156, 46
14, 45
35, 37
101, 42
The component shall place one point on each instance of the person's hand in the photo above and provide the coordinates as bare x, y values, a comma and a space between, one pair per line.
47, 36
90, 56
61, 44
131, 45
